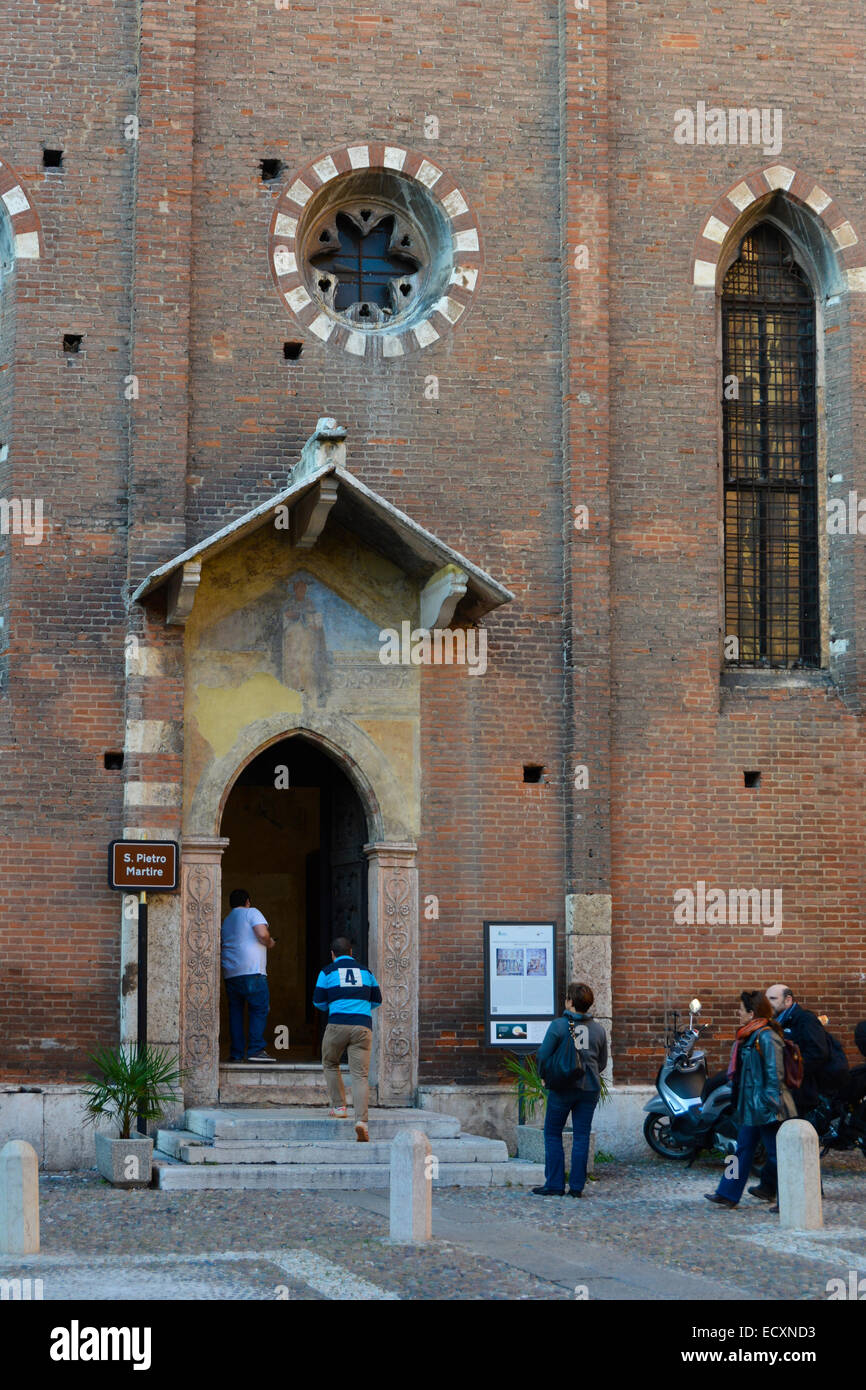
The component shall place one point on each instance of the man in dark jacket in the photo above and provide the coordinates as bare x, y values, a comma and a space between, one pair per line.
807, 1031
580, 1101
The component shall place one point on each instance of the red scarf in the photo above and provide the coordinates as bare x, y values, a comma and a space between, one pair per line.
743, 1033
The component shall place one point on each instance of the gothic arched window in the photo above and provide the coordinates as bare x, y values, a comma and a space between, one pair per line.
770, 456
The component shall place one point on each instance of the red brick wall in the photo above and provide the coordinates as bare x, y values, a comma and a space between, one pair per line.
67, 84
480, 466
680, 811
561, 387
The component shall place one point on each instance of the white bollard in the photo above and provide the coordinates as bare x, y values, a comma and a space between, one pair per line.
799, 1160
411, 1204
19, 1199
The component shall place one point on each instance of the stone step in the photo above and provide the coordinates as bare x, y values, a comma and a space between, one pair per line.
192, 1148
274, 1083
197, 1177
250, 1122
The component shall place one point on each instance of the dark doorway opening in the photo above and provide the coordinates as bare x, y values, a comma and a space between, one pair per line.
296, 829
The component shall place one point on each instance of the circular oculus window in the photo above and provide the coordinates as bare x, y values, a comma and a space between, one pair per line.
375, 250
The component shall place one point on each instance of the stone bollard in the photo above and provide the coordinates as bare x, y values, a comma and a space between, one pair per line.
19, 1199
411, 1203
800, 1207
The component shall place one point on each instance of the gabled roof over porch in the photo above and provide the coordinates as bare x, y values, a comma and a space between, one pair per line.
321, 488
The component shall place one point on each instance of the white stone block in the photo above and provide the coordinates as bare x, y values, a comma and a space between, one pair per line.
799, 1163
705, 275
16, 200
19, 1199
741, 196
411, 1189
715, 229
818, 200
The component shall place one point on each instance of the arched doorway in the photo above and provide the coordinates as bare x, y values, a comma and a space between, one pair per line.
296, 831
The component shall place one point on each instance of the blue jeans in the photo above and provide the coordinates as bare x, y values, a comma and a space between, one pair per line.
251, 990
747, 1142
560, 1104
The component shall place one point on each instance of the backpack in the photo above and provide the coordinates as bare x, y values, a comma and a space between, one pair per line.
794, 1070
835, 1070
564, 1069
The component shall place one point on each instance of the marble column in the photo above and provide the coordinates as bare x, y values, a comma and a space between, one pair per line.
200, 969
393, 958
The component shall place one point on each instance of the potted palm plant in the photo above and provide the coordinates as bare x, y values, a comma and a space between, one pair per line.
530, 1093
130, 1081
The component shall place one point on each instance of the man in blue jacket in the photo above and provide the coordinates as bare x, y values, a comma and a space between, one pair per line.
348, 993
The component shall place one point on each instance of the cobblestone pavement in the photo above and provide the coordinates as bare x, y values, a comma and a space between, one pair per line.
642, 1231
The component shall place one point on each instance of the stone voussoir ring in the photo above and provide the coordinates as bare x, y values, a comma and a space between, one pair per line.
375, 250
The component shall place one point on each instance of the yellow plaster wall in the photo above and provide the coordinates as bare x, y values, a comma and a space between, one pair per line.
262, 641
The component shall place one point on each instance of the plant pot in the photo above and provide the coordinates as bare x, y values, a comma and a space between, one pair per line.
124, 1162
530, 1146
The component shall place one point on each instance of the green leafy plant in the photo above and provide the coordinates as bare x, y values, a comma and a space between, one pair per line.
131, 1081
527, 1080
524, 1072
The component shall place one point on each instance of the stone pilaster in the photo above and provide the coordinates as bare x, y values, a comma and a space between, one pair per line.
393, 954
200, 969
587, 952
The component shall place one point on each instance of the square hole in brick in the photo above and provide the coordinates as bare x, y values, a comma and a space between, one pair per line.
751, 779
72, 342
292, 351
52, 159
533, 772
271, 169
113, 761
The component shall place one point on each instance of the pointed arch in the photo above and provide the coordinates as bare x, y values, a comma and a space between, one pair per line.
810, 217
26, 229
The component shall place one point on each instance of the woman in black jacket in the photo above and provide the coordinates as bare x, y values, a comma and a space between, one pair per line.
763, 1100
579, 1102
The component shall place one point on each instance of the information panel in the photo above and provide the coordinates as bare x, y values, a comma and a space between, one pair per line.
519, 982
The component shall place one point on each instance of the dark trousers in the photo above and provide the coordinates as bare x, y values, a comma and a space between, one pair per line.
580, 1105
250, 991
747, 1142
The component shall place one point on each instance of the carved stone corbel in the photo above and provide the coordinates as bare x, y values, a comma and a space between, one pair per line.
182, 589
441, 595
310, 514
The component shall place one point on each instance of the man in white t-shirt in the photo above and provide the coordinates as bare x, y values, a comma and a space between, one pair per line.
245, 942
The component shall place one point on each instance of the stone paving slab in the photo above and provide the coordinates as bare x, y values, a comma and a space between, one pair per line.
643, 1231
153, 1244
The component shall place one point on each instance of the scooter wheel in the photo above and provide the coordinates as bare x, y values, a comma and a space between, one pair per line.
659, 1135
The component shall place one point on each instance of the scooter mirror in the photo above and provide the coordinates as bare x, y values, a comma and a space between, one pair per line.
695, 1006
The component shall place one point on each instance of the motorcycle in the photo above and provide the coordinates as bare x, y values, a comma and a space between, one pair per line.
841, 1119
688, 1116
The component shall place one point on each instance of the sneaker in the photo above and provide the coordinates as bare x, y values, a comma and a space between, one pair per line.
339, 1112
260, 1057
547, 1192
763, 1193
362, 1133
719, 1201
574, 1194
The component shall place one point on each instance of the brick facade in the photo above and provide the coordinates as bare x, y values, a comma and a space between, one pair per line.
579, 379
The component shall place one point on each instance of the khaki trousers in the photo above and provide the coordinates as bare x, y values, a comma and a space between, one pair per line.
338, 1038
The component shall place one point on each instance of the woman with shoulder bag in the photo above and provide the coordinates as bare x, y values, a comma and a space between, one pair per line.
762, 1099
572, 1055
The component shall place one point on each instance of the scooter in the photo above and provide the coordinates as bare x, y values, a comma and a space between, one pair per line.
686, 1117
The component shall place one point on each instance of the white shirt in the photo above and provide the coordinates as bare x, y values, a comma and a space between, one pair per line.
242, 953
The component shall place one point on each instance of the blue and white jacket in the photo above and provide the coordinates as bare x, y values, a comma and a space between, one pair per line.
347, 993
